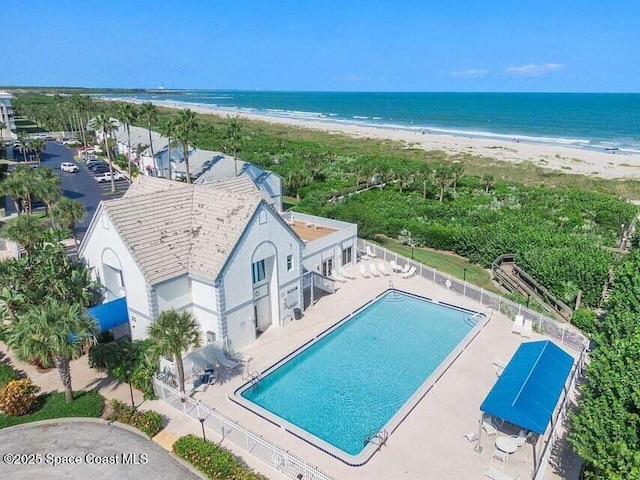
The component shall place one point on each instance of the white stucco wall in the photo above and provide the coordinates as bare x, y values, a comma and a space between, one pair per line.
174, 293
237, 280
103, 237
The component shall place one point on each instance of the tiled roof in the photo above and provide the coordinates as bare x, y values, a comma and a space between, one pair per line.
172, 228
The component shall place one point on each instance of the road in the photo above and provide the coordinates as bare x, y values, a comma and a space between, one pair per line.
85, 450
79, 186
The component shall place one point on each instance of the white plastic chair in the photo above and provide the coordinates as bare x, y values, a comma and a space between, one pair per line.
487, 426
410, 273
370, 252
343, 272
499, 455
363, 271
383, 269
336, 276
518, 324
374, 270
395, 267
495, 474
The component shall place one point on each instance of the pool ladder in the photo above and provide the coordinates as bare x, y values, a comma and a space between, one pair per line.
377, 437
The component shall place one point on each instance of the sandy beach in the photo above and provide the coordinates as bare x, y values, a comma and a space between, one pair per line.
570, 160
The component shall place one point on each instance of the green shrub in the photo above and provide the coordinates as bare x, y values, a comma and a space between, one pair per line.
7, 374
118, 358
147, 421
213, 460
586, 320
17, 397
54, 405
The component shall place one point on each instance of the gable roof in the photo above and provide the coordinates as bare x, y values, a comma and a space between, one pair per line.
172, 228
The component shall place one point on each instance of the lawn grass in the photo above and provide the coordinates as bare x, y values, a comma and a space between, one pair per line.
24, 125
54, 405
446, 262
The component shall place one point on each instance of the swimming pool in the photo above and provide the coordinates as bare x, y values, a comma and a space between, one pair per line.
353, 380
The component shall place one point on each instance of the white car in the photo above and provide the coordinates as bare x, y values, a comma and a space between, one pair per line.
106, 177
69, 141
69, 167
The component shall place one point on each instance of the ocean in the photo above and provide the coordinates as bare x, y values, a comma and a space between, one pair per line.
587, 120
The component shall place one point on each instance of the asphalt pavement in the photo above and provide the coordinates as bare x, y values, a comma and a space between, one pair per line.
79, 186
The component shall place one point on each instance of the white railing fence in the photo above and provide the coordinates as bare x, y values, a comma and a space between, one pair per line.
564, 333
227, 429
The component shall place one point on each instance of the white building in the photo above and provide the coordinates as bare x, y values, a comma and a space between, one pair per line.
6, 116
218, 250
205, 166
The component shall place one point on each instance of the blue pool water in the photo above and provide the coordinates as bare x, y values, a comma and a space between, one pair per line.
354, 379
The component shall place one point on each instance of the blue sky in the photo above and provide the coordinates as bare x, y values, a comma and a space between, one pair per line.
401, 45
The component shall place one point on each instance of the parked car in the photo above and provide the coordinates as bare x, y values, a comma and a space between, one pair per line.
100, 170
106, 177
69, 167
96, 163
69, 141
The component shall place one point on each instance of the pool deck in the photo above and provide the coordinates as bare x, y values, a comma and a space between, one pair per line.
430, 442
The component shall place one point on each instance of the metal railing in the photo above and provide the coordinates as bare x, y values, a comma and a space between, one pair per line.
282, 460
564, 333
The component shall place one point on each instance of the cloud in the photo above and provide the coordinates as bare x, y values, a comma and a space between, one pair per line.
472, 73
533, 70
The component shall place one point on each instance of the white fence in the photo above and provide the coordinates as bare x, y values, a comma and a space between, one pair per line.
226, 429
564, 333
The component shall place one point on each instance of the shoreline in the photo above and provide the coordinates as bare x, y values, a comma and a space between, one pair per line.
566, 159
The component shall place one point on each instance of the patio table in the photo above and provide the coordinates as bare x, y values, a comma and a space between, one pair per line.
507, 444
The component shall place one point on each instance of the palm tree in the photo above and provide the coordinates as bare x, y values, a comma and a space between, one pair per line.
127, 114
487, 182
186, 128
168, 129
442, 174
68, 212
14, 187
173, 334
23, 143
37, 145
295, 181
106, 126
26, 230
232, 140
457, 169
53, 334
47, 188
149, 113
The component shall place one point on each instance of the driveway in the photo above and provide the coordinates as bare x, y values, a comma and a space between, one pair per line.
79, 186
91, 450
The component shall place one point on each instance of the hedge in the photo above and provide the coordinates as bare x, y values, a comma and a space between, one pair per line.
7, 374
213, 460
147, 421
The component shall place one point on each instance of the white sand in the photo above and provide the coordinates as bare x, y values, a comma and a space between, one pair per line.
566, 159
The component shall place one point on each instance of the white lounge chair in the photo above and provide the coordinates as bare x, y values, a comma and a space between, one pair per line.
496, 474
346, 275
383, 269
410, 273
500, 366
521, 438
225, 361
471, 436
374, 270
499, 455
363, 271
395, 267
370, 251
405, 269
518, 324
337, 277
527, 328
487, 426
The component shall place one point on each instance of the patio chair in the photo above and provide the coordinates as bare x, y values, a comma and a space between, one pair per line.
518, 324
337, 277
405, 269
527, 328
363, 271
499, 455
374, 270
364, 256
225, 361
471, 436
487, 426
521, 438
496, 474
370, 251
383, 269
500, 366
346, 275
410, 273
395, 267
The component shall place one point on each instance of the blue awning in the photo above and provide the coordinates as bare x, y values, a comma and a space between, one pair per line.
530, 385
111, 314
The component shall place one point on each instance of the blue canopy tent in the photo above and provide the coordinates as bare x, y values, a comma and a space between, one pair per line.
527, 391
110, 314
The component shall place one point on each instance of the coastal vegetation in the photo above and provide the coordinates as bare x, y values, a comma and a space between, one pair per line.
149, 422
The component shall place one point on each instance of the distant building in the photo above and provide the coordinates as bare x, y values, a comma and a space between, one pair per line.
6, 116
218, 250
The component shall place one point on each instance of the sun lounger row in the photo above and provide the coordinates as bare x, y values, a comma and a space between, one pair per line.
381, 270
522, 326
340, 275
